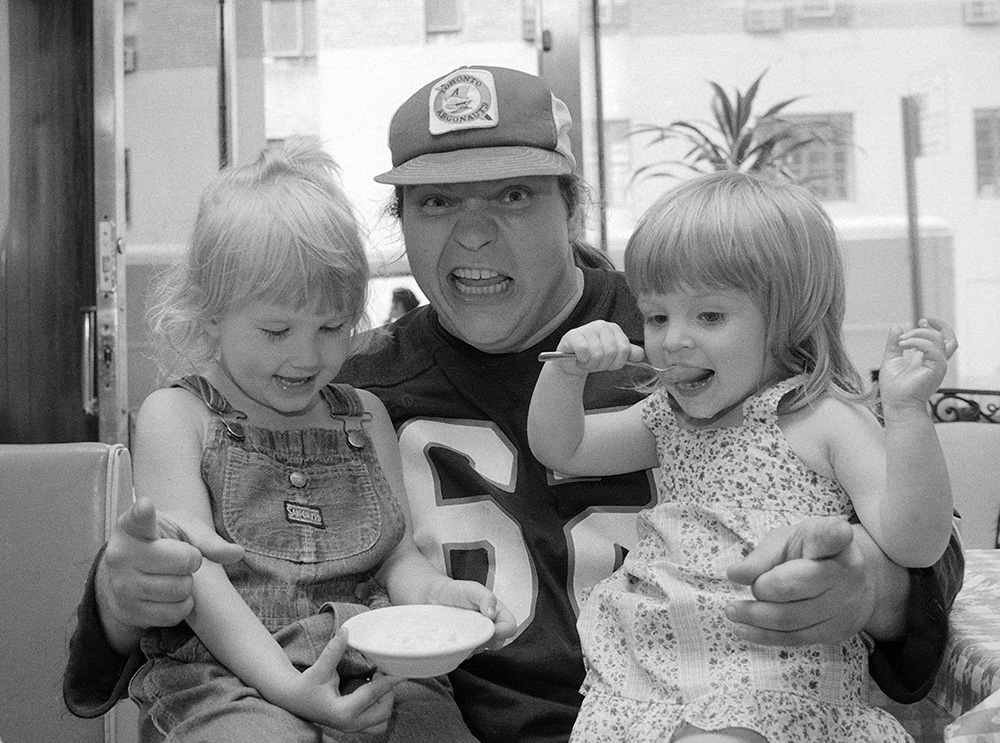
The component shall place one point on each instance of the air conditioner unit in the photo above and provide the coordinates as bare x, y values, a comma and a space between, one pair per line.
759, 18
981, 12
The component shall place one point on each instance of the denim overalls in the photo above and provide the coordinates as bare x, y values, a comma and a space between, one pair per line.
315, 514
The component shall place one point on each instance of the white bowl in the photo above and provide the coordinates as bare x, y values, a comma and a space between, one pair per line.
418, 640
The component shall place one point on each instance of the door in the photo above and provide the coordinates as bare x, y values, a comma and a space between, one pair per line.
58, 204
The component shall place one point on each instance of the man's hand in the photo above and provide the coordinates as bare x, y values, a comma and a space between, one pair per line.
818, 581
144, 579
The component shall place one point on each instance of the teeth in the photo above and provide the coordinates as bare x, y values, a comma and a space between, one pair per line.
695, 382
288, 382
493, 282
491, 289
475, 274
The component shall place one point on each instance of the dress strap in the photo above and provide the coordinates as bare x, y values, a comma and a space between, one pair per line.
764, 405
214, 400
346, 407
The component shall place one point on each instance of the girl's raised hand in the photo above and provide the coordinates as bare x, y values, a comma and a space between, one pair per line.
915, 363
597, 346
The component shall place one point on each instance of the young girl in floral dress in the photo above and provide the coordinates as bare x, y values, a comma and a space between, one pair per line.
756, 420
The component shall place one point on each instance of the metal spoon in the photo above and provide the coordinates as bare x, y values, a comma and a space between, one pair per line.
555, 355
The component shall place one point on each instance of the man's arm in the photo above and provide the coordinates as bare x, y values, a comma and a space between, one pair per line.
822, 580
96, 675
904, 667
139, 579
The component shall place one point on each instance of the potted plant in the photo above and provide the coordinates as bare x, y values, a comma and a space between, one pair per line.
735, 138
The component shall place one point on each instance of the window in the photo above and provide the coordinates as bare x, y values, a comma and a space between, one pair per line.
981, 12
808, 14
988, 153
825, 166
614, 15
763, 16
290, 28
442, 16
618, 156
816, 8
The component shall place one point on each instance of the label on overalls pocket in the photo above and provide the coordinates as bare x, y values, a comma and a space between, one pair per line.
302, 513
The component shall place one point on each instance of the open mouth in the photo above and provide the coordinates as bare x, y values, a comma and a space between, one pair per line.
693, 380
480, 281
293, 383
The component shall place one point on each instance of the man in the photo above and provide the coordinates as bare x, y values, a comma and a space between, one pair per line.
491, 214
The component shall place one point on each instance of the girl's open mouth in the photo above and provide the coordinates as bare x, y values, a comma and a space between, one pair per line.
291, 383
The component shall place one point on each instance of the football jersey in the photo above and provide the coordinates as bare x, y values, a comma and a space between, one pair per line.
484, 509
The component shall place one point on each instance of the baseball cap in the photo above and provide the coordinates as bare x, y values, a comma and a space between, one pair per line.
479, 124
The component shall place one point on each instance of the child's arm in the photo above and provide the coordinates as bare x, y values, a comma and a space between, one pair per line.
408, 576
561, 436
896, 476
168, 447
916, 516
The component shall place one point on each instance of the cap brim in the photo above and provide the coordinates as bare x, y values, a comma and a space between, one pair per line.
484, 164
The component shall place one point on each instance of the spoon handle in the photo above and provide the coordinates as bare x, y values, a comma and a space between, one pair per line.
556, 355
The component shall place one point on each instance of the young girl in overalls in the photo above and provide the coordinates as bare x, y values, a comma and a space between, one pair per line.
304, 474
757, 420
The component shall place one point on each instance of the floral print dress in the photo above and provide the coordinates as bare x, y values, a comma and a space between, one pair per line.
660, 652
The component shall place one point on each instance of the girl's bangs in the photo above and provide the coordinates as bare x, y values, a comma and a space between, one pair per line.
689, 251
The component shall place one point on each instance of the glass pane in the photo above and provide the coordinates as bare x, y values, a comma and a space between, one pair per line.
837, 59
846, 65
337, 70
282, 27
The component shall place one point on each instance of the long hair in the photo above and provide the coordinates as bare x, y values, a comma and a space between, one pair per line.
278, 230
770, 239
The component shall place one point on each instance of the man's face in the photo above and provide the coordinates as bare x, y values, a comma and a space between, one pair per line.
493, 257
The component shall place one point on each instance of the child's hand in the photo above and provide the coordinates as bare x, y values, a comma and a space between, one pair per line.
597, 346
316, 696
915, 363
468, 594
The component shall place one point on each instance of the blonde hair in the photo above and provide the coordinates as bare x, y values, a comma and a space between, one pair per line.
766, 237
280, 230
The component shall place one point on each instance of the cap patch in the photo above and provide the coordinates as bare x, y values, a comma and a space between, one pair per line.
466, 99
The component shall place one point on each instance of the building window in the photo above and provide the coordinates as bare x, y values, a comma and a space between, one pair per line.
290, 28
988, 153
981, 12
763, 16
614, 15
816, 8
807, 14
442, 16
825, 166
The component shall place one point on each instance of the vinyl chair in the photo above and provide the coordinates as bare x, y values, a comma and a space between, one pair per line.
966, 424
59, 503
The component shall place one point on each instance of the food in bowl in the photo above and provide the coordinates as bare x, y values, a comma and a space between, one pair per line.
418, 640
